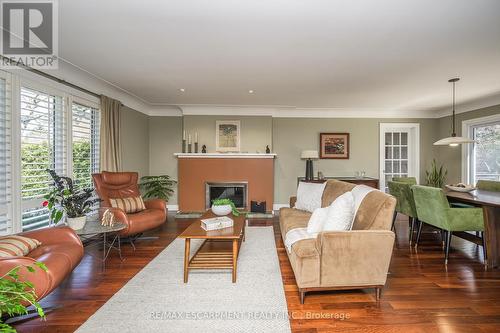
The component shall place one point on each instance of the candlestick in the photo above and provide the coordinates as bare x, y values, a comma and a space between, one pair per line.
189, 148
183, 146
196, 147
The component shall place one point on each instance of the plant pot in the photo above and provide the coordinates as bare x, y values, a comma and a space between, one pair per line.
221, 210
76, 223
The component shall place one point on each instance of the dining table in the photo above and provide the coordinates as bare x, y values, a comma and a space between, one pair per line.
489, 201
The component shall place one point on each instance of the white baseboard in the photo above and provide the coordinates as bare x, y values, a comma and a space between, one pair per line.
173, 208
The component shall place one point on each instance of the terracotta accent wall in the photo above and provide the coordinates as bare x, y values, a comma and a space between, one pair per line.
193, 173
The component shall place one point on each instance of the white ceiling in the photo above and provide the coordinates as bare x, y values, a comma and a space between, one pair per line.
350, 54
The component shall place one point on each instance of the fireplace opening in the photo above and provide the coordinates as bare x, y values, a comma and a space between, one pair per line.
237, 192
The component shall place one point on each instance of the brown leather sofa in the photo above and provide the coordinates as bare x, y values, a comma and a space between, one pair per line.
124, 185
61, 251
338, 260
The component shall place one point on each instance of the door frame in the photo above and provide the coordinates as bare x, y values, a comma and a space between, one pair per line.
415, 148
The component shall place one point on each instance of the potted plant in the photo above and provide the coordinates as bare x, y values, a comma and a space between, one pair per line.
157, 187
436, 176
223, 207
16, 295
64, 198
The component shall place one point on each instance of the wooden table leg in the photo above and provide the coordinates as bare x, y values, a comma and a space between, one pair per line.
186, 258
492, 235
235, 258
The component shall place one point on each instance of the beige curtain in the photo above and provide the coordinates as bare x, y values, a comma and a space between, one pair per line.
110, 147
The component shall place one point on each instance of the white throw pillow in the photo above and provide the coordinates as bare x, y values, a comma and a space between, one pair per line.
317, 220
309, 196
340, 213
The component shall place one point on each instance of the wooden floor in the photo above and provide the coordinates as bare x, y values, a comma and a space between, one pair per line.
421, 295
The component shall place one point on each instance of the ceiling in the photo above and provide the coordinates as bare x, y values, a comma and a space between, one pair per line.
385, 54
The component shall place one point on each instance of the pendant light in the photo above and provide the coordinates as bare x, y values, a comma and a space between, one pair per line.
453, 140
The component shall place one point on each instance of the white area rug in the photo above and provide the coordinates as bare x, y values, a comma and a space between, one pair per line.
157, 300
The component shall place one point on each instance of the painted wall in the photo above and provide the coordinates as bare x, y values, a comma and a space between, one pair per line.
451, 157
135, 141
256, 132
150, 143
292, 135
165, 135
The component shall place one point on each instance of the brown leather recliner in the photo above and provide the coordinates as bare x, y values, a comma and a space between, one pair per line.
61, 251
124, 185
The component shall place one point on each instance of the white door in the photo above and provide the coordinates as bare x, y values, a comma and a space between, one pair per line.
399, 151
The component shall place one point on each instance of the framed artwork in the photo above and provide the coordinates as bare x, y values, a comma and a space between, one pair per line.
227, 135
334, 145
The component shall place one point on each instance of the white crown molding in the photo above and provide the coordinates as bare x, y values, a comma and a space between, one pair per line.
475, 104
81, 77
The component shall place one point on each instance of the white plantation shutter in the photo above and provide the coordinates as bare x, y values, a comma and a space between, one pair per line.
43, 146
5, 156
85, 139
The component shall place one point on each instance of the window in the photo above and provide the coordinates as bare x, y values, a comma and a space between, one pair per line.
42, 147
482, 158
5, 156
85, 132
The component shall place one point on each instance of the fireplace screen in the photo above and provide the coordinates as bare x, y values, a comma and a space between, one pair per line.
237, 192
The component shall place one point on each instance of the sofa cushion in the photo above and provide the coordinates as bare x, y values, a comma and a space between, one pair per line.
309, 196
17, 246
317, 220
340, 213
333, 190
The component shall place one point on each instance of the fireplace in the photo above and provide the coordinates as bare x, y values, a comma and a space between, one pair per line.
236, 191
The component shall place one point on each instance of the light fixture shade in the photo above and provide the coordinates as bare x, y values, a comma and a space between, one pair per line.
312, 154
453, 140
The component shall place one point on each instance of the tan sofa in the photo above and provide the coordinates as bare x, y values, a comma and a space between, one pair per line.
338, 260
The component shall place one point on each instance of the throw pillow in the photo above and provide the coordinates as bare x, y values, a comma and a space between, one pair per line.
128, 205
317, 220
17, 246
309, 196
340, 213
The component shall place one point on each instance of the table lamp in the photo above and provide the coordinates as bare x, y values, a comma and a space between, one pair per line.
309, 156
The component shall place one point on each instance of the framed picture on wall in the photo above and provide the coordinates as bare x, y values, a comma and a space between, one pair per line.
334, 145
227, 135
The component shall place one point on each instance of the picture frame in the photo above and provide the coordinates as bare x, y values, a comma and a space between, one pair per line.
334, 145
227, 136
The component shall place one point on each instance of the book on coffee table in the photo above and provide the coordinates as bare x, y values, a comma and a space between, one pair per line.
216, 223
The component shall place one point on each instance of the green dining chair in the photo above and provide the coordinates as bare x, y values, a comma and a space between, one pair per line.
409, 180
434, 209
404, 204
488, 185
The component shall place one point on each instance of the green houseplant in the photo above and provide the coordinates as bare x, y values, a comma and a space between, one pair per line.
436, 176
224, 207
15, 294
157, 187
65, 198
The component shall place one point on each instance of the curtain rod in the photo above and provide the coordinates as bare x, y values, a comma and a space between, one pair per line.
50, 77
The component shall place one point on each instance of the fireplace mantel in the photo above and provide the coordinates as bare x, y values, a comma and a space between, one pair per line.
194, 171
224, 155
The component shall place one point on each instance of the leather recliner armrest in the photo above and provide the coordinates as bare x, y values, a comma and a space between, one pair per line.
40, 279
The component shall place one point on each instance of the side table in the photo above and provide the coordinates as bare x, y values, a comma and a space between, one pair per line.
93, 230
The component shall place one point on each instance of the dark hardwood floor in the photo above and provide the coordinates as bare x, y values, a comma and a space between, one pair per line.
421, 295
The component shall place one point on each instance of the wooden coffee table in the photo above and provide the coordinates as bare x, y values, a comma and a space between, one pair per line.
220, 248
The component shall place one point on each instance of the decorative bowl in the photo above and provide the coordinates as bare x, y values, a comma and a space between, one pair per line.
221, 210
466, 189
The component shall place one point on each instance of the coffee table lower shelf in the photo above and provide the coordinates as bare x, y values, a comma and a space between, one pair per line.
213, 254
